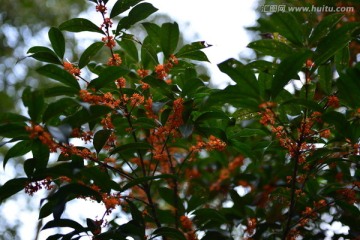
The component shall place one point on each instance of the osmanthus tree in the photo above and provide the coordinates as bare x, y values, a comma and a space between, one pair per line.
146, 137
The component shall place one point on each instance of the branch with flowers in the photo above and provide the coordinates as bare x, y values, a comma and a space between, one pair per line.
131, 124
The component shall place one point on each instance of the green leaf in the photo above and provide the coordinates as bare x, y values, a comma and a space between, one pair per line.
141, 180
192, 51
60, 91
135, 213
342, 59
349, 86
131, 147
59, 74
56, 108
168, 232
13, 130
107, 76
121, 6
44, 54
11, 187
64, 223
41, 154
35, 103
80, 25
75, 190
210, 116
100, 138
130, 49
154, 31
334, 41
29, 167
325, 73
159, 86
272, 48
243, 76
205, 215
12, 118
149, 56
169, 38
324, 27
287, 70
19, 149
90, 52
57, 41
136, 14
288, 26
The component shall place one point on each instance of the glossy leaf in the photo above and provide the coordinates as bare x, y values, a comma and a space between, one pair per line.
287, 70
349, 86
12, 187
136, 14
64, 223
130, 48
19, 149
288, 26
90, 52
44, 54
34, 101
149, 58
272, 48
41, 154
141, 180
158, 85
169, 38
56, 108
12, 118
342, 59
168, 232
57, 41
121, 6
107, 76
324, 27
333, 42
154, 31
100, 138
59, 75
80, 25
13, 130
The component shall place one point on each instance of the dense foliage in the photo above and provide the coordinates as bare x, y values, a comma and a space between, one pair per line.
267, 157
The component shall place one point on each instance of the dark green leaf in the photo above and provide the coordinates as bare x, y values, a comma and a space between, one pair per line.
29, 167
136, 14
288, 26
149, 56
41, 154
168, 232
333, 42
59, 74
44, 54
12, 118
60, 91
131, 147
349, 86
89, 52
210, 116
11, 187
34, 101
75, 190
192, 51
158, 85
12, 130
135, 213
56, 108
130, 49
324, 27
64, 223
121, 6
325, 72
100, 138
80, 25
19, 149
107, 76
154, 32
169, 38
243, 76
272, 48
57, 41
141, 180
342, 59
287, 70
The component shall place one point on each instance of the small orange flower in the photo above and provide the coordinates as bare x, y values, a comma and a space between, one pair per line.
142, 73
333, 101
109, 41
115, 60
71, 69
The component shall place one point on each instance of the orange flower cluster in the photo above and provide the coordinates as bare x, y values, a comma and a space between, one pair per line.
213, 143
37, 131
106, 99
33, 187
120, 82
86, 136
349, 194
107, 122
333, 101
142, 73
107, 23
109, 41
162, 70
101, 8
115, 60
187, 226
71, 69
136, 100
110, 201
